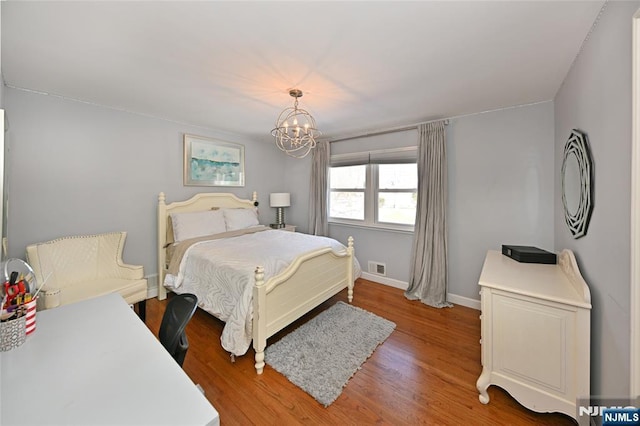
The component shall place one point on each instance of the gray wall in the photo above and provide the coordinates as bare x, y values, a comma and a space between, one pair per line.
596, 98
296, 182
77, 168
500, 191
500, 187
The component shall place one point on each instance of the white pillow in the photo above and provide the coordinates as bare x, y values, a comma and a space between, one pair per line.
240, 218
197, 224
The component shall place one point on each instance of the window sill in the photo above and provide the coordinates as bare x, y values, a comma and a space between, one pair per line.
383, 228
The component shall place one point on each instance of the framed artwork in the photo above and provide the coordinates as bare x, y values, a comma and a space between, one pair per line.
210, 162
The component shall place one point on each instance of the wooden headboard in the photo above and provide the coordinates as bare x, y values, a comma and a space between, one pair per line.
199, 202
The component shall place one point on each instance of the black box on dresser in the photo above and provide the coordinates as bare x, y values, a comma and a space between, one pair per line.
529, 254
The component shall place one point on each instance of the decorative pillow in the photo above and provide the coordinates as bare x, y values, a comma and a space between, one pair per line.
197, 224
240, 218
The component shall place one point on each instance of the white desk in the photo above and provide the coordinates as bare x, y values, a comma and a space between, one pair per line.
95, 362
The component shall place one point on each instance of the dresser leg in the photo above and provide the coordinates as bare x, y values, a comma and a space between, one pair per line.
482, 385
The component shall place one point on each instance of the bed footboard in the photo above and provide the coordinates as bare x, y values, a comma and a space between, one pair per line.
306, 283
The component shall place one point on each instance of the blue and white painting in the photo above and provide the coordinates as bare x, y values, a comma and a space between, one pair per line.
213, 163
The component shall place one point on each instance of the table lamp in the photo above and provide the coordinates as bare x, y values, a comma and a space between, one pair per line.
279, 200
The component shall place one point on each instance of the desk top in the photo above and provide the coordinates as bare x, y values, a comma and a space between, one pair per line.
95, 362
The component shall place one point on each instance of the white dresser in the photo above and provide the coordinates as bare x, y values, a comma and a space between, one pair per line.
535, 332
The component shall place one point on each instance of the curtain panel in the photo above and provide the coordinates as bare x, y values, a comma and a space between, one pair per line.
319, 190
428, 279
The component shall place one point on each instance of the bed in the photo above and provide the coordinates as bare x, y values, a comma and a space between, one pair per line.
275, 291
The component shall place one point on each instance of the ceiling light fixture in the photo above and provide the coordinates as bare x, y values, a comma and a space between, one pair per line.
295, 130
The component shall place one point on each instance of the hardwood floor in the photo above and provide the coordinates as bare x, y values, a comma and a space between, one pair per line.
424, 373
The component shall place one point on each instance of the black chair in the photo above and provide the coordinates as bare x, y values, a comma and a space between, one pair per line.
172, 334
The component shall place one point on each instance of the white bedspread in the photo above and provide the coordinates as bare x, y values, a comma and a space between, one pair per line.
221, 274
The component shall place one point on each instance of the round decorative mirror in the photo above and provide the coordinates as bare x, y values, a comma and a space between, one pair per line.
576, 184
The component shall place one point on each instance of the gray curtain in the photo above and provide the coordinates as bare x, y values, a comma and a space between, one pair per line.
319, 190
428, 280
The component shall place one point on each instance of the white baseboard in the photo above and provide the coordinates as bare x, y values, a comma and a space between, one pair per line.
385, 280
152, 286
463, 301
402, 285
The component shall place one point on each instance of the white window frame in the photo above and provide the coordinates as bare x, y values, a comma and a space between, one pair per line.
371, 190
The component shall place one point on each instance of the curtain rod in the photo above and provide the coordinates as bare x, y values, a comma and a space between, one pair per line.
387, 131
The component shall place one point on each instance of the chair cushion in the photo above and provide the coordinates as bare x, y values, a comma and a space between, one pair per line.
133, 291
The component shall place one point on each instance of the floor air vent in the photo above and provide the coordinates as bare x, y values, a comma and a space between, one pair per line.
377, 268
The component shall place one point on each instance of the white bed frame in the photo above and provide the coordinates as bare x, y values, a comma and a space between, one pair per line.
307, 282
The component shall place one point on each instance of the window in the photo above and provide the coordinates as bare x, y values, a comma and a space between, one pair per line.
374, 194
346, 200
397, 194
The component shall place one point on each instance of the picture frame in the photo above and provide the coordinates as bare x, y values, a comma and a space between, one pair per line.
212, 162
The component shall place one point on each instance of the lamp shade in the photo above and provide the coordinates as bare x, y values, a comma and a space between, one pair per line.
280, 199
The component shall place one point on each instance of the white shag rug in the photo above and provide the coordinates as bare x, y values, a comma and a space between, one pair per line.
323, 354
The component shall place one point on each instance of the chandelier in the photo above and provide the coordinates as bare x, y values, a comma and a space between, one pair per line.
295, 130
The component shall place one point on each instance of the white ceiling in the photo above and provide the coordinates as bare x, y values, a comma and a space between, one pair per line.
361, 65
